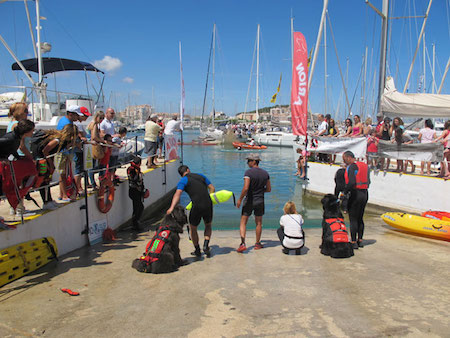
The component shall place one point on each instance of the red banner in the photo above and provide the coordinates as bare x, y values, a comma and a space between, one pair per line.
299, 90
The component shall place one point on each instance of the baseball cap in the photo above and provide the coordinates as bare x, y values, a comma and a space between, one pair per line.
153, 116
85, 111
254, 157
74, 109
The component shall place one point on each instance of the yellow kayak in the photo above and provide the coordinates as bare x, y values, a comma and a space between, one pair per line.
424, 226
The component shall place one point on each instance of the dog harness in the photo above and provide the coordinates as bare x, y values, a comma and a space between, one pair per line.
155, 246
338, 230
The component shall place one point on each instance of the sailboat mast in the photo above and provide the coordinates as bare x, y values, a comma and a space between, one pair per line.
40, 65
325, 64
257, 74
382, 74
214, 76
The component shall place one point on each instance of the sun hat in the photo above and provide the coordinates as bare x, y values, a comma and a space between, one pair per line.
254, 157
74, 109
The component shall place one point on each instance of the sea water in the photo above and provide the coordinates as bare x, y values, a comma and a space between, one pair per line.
225, 167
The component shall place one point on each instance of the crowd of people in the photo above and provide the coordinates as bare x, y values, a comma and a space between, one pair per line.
387, 130
53, 150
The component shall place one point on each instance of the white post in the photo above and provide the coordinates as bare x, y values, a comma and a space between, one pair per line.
417, 47
257, 75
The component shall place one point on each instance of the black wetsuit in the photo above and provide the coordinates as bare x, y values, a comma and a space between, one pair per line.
136, 193
196, 186
356, 203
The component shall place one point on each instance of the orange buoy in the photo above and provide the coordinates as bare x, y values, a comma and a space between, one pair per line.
105, 195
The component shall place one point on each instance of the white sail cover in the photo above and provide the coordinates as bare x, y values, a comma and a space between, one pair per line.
394, 103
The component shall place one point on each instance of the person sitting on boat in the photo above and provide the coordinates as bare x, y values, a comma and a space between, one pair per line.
347, 128
358, 129
301, 163
290, 232
252, 142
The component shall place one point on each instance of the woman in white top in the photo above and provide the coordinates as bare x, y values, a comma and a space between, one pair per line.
427, 135
290, 233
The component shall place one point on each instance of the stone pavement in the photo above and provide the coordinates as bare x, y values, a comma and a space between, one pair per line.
397, 285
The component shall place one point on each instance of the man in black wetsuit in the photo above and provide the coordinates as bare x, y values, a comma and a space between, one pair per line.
198, 187
357, 180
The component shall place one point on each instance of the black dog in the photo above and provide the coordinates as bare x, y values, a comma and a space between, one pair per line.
163, 253
335, 242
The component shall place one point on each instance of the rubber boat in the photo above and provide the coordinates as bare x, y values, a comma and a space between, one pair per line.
241, 145
445, 216
419, 225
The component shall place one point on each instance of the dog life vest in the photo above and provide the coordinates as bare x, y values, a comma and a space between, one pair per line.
155, 246
338, 230
361, 179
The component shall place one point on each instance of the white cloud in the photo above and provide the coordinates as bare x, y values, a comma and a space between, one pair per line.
108, 64
128, 80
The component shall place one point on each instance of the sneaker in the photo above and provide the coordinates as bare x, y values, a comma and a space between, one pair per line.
25, 213
285, 251
66, 200
49, 206
355, 246
241, 248
196, 253
258, 246
360, 244
12, 211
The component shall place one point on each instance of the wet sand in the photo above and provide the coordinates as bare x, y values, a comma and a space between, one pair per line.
397, 285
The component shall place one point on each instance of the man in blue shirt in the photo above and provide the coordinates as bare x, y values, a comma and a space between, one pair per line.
198, 187
72, 114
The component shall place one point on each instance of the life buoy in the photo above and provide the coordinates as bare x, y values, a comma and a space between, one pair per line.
105, 203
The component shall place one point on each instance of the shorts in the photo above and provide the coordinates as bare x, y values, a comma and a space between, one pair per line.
248, 208
61, 162
197, 213
78, 159
150, 148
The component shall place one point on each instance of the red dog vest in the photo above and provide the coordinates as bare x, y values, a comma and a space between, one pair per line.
338, 230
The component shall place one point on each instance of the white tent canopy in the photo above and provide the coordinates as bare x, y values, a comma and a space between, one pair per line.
395, 103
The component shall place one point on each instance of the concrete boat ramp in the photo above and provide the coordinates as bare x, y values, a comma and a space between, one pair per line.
397, 285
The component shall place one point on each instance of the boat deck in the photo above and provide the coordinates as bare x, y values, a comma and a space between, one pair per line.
397, 285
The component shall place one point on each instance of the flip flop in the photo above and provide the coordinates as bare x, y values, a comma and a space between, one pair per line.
70, 292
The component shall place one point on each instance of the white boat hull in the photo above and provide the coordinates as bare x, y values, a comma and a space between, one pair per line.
280, 139
387, 189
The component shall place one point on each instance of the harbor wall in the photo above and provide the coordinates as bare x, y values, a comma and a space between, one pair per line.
404, 192
67, 223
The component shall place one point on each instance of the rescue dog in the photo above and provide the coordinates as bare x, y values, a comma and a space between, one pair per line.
334, 243
168, 235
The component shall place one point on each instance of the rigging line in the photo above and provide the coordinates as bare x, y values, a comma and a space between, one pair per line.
66, 31
357, 85
250, 80
207, 77
339, 64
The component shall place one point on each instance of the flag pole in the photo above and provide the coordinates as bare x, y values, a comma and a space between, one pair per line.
181, 103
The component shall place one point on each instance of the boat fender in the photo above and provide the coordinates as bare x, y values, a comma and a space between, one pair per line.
217, 197
105, 203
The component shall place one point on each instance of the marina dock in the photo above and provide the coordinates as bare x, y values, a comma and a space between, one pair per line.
397, 285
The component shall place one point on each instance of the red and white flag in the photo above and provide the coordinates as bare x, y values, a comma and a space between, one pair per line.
299, 90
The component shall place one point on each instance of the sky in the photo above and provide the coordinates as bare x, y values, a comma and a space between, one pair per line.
136, 43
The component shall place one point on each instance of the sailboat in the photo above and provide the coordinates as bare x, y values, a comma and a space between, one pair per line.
44, 111
281, 138
210, 132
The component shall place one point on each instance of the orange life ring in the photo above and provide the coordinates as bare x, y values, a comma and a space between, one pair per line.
106, 188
